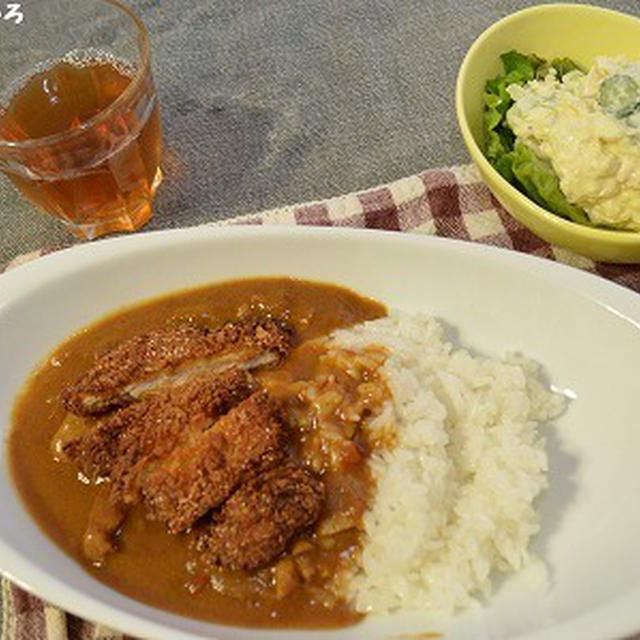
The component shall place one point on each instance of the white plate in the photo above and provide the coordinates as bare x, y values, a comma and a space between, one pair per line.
585, 330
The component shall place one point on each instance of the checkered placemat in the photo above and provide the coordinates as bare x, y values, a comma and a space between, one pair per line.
451, 202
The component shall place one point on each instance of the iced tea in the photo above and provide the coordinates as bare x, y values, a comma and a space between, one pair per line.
97, 173
80, 131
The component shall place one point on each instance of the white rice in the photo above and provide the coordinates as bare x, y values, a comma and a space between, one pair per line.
455, 494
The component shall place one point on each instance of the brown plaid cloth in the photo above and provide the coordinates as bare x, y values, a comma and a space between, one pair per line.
451, 202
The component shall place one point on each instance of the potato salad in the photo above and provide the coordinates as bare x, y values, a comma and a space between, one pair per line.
568, 138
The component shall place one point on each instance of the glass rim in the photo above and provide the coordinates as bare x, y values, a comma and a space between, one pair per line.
130, 89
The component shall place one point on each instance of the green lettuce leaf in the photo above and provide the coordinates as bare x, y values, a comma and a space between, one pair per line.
564, 65
517, 163
499, 139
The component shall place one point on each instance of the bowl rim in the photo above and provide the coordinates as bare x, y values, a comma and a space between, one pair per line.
625, 238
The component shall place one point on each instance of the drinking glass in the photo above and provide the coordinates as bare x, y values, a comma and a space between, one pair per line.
80, 132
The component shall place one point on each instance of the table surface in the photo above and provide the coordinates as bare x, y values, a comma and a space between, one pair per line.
270, 103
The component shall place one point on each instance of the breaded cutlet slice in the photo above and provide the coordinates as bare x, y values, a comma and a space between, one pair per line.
168, 356
255, 525
202, 474
121, 444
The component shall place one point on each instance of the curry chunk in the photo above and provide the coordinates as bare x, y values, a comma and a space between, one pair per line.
255, 525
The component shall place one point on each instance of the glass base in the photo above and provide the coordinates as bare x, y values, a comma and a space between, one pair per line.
131, 221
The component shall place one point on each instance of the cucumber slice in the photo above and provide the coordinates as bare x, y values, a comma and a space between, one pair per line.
619, 95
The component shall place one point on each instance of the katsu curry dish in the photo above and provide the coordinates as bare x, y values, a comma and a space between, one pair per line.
274, 452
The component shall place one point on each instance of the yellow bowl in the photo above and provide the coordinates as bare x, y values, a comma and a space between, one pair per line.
580, 32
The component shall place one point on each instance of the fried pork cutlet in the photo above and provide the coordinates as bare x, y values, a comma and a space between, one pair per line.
201, 475
169, 356
120, 445
255, 525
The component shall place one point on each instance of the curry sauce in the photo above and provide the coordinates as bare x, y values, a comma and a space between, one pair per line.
164, 569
